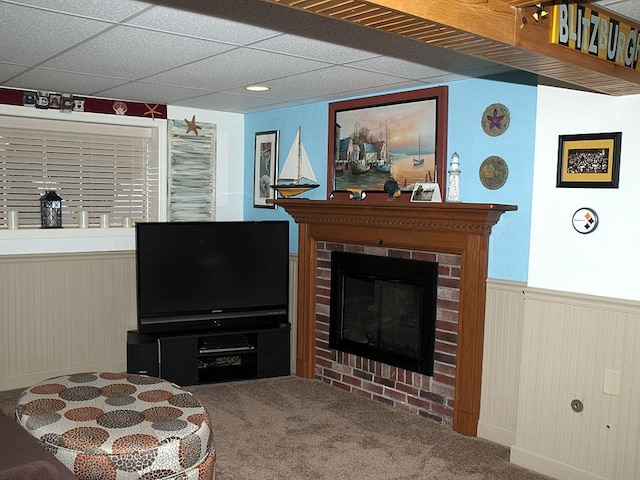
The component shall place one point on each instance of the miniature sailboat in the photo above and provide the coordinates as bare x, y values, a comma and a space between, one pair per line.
296, 175
419, 160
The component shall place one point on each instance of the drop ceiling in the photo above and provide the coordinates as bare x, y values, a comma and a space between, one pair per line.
203, 54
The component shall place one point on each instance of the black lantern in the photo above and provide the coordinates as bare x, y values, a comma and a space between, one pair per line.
51, 210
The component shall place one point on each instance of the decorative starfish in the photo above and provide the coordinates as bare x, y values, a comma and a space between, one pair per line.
495, 119
191, 125
152, 111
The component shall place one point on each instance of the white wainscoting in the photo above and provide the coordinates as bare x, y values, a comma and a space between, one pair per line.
293, 306
64, 313
67, 313
544, 349
501, 364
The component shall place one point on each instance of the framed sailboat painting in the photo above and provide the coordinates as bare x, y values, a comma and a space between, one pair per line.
398, 138
266, 160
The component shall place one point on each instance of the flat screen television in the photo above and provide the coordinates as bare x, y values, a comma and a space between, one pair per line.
211, 275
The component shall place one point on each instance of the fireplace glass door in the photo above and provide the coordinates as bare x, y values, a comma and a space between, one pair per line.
383, 308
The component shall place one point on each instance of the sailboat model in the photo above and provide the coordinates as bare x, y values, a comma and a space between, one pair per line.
296, 175
419, 160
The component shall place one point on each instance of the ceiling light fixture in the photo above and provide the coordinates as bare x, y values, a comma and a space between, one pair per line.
257, 88
540, 12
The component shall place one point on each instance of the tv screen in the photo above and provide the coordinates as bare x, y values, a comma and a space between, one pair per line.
203, 275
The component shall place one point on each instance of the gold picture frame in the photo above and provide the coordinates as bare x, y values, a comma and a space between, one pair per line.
589, 160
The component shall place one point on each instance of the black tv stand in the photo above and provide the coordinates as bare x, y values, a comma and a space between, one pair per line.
192, 358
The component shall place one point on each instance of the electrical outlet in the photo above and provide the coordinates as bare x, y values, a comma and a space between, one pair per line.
611, 383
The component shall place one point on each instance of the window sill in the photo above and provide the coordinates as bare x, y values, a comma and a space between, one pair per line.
65, 240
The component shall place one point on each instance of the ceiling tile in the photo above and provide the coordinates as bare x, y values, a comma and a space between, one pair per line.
96, 9
21, 45
236, 68
227, 102
10, 70
239, 23
134, 53
60, 81
337, 80
154, 93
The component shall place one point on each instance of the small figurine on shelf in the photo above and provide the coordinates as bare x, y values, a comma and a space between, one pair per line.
356, 194
453, 192
392, 188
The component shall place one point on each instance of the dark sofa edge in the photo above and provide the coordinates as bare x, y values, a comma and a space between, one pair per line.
36, 470
21, 450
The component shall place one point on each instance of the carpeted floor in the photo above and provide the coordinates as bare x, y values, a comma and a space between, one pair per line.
289, 428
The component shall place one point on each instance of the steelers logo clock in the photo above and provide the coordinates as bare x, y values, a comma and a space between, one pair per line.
585, 220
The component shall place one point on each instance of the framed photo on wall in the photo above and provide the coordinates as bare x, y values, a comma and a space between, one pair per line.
265, 164
589, 160
398, 136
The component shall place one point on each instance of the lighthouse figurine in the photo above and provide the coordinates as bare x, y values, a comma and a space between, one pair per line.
453, 192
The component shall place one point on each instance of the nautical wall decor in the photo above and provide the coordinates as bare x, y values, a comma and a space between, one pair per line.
296, 175
495, 119
191, 172
493, 172
70, 102
400, 136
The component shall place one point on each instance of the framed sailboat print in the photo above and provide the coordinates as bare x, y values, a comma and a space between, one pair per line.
397, 137
266, 159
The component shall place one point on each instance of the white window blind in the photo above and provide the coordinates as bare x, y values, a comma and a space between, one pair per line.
99, 168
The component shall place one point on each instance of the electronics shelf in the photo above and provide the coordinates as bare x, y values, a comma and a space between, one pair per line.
211, 356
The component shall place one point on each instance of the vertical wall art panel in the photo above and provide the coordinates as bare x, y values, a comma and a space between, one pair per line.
192, 156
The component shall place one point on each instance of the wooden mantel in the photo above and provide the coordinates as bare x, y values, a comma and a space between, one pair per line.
458, 228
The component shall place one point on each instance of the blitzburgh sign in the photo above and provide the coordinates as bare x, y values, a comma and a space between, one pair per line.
594, 32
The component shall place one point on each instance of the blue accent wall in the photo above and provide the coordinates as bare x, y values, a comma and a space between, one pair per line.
468, 99
509, 244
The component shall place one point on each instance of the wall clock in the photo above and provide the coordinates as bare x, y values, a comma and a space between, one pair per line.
585, 220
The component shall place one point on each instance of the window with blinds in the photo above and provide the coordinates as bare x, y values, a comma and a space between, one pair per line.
97, 168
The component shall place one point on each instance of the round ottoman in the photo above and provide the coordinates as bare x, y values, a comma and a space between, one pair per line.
120, 426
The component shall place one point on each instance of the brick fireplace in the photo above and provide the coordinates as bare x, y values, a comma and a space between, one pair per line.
427, 395
458, 234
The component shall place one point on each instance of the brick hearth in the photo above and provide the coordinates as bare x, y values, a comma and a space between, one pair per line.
454, 229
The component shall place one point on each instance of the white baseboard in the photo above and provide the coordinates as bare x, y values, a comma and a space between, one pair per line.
496, 434
550, 467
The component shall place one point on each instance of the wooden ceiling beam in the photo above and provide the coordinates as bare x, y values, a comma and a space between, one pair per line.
500, 31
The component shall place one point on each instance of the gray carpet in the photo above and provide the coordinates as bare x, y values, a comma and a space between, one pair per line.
289, 428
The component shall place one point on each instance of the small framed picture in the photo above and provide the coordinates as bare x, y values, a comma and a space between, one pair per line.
266, 159
589, 160
426, 192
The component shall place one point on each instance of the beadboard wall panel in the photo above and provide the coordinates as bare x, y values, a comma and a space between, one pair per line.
568, 342
293, 306
68, 313
64, 313
501, 361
